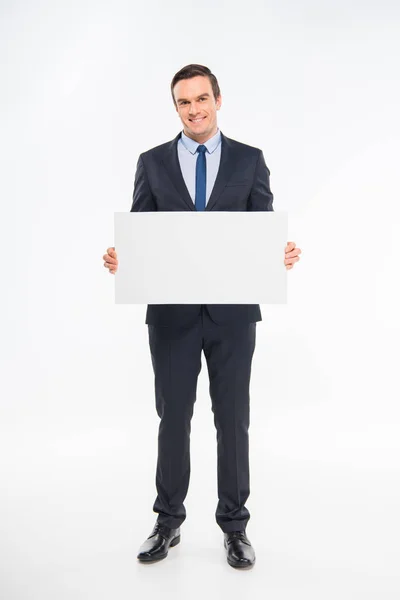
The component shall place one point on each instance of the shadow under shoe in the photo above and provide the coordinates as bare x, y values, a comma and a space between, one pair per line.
157, 544
239, 551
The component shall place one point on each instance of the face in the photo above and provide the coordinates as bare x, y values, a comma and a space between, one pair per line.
197, 107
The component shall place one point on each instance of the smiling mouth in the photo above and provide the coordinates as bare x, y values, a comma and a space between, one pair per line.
197, 120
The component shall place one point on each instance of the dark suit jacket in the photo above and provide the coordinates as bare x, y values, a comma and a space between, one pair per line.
242, 183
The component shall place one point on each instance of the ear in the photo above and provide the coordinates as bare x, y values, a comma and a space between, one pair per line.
218, 102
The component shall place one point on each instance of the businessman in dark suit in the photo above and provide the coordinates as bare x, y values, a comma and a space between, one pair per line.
201, 169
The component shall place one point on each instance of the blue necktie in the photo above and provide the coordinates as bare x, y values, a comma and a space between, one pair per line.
201, 181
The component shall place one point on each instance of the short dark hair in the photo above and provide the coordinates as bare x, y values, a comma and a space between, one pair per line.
193, 71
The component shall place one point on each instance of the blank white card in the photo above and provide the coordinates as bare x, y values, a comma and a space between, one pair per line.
206, 257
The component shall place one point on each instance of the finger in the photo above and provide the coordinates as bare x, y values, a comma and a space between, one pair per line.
110, 259
290, 261
111, 252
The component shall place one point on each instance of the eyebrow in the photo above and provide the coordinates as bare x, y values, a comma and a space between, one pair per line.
201, 95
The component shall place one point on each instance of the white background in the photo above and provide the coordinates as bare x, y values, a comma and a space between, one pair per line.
84, 90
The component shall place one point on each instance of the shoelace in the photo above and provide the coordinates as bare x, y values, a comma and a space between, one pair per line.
237, 535
158, 528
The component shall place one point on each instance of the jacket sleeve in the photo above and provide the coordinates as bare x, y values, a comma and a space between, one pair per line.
142, 199
261, 197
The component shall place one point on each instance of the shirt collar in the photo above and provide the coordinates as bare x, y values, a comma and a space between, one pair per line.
192, 145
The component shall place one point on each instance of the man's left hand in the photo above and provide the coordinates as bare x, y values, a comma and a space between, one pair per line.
291, 255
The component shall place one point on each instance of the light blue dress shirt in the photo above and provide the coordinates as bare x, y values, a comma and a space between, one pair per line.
187, 155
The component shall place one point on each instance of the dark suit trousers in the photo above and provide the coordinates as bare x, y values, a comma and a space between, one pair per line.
176, 359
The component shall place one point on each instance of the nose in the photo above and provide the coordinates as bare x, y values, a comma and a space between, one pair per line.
193, 109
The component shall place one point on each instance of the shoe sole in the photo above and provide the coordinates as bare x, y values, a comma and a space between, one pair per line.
151, 559
239, 566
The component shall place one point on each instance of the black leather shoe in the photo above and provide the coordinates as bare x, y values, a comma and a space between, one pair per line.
239, 551
157, 544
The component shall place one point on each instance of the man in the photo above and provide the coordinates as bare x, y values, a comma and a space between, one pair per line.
201, 169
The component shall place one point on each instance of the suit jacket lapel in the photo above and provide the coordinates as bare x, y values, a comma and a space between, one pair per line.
226, 168
171, 163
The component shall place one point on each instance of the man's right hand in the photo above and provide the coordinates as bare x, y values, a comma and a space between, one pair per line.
111, 261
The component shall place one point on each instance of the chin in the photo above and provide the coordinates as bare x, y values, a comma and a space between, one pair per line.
199, 131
